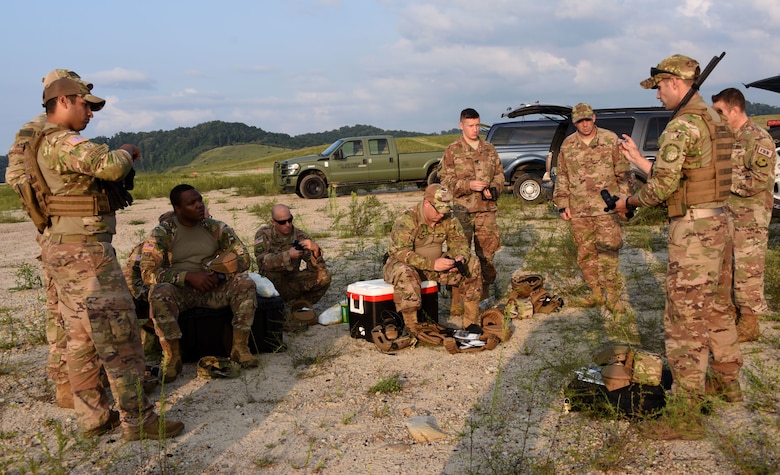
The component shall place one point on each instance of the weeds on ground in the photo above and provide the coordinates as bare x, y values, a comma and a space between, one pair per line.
387, 385
6, 217
27, 278
363, 217
319, 357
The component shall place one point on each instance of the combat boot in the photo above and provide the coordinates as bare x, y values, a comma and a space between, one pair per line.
153, 429
64, 395
240, 352
747, 326
594, 299
729, 392
410, 321
470, 314
171, 364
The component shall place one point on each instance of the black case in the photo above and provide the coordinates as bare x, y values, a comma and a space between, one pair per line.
209, 332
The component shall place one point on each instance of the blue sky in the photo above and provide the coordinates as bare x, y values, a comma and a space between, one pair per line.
297, 66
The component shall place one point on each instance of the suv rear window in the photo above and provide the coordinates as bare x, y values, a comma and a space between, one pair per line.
625, 125
524, 133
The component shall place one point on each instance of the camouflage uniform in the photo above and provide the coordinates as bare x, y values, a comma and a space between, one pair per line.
750, 209
169, 295
96, 306
56, 366
406, 269
274, 262
698, 320
583, 171
460, 165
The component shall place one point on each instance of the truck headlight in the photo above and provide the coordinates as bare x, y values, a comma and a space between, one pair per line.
293, 168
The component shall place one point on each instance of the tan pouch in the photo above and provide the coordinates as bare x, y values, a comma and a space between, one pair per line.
222, 263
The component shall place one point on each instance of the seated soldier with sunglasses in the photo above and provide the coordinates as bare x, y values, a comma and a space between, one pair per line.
290, 259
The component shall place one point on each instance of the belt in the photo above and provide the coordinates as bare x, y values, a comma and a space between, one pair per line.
78, 238
699, 213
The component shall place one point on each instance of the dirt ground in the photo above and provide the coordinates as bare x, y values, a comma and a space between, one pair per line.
309, 409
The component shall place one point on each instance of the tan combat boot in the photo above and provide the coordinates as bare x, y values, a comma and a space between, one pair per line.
240, 352
747, 326
594, 299
171, 363
410, 321
64, 395
470, 313
154, 430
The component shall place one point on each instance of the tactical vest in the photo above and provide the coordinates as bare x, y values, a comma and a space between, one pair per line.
712, 182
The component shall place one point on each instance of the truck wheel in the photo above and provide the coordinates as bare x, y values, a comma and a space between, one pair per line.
528, 188
313, 187
433, 177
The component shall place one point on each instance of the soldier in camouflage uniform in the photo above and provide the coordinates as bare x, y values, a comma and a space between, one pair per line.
749, 208
472, 171
416, 254
56, 366
94, 301
590, 161
296, 274
692, 175
172, 265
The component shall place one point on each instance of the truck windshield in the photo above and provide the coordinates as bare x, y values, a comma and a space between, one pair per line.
333, 147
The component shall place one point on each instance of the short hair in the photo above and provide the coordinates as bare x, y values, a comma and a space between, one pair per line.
177, 191
732, 97
469, 114
51, 104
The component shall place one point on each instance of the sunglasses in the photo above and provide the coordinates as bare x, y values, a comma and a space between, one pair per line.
283, 221
654, 71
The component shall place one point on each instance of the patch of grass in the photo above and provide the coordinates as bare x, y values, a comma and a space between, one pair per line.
27, 278
320, 356
137, 222
6, 217
387, 385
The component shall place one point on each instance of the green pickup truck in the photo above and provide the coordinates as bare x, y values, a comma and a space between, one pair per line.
351, 161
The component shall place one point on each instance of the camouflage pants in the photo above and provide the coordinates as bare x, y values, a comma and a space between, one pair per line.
102, 328
309, 284
750, 244
57, 364
167, 301
699, 326
407, 280
598, 240
481, 229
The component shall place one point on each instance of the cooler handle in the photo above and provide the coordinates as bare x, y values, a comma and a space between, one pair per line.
356, 308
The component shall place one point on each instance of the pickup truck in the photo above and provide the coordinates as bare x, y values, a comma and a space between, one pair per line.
370, 160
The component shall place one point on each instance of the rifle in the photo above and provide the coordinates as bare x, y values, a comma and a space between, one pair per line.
699, 81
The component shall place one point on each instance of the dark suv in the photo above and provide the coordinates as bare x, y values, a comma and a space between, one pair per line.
643, 124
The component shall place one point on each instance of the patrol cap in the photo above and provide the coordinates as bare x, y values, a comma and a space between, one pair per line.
68, 86
580, 112
677, 65
440, 197
55, 74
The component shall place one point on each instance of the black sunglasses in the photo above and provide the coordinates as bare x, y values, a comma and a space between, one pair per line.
654, 71
283, 221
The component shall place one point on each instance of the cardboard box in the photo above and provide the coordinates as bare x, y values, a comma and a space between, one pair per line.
367, 300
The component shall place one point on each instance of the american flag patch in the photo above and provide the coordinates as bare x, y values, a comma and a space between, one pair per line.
148, 247
765, 151
75, 140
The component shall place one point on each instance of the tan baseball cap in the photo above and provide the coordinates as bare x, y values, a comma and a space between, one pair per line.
580, 112
69, 85
440, 197
674, 66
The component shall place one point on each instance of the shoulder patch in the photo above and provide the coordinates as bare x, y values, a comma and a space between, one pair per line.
762, 156
670, 153
148, 246
765, 152
75, 140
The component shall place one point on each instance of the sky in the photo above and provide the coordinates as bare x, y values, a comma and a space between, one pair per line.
299, 66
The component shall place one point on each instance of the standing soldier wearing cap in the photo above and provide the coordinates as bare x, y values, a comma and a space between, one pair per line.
590, 161
472, 171
692, 174
95, 303
56, 366
417, 253
749, 208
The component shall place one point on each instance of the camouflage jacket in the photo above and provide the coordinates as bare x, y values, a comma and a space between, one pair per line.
753, 172
132, 272
158, 251
462, 164
586, 169
272, 250
72, 165
411, 227
684, 144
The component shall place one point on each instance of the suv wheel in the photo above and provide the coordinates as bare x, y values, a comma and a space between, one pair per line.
528, 188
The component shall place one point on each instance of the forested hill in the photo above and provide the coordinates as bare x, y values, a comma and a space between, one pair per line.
165, 149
